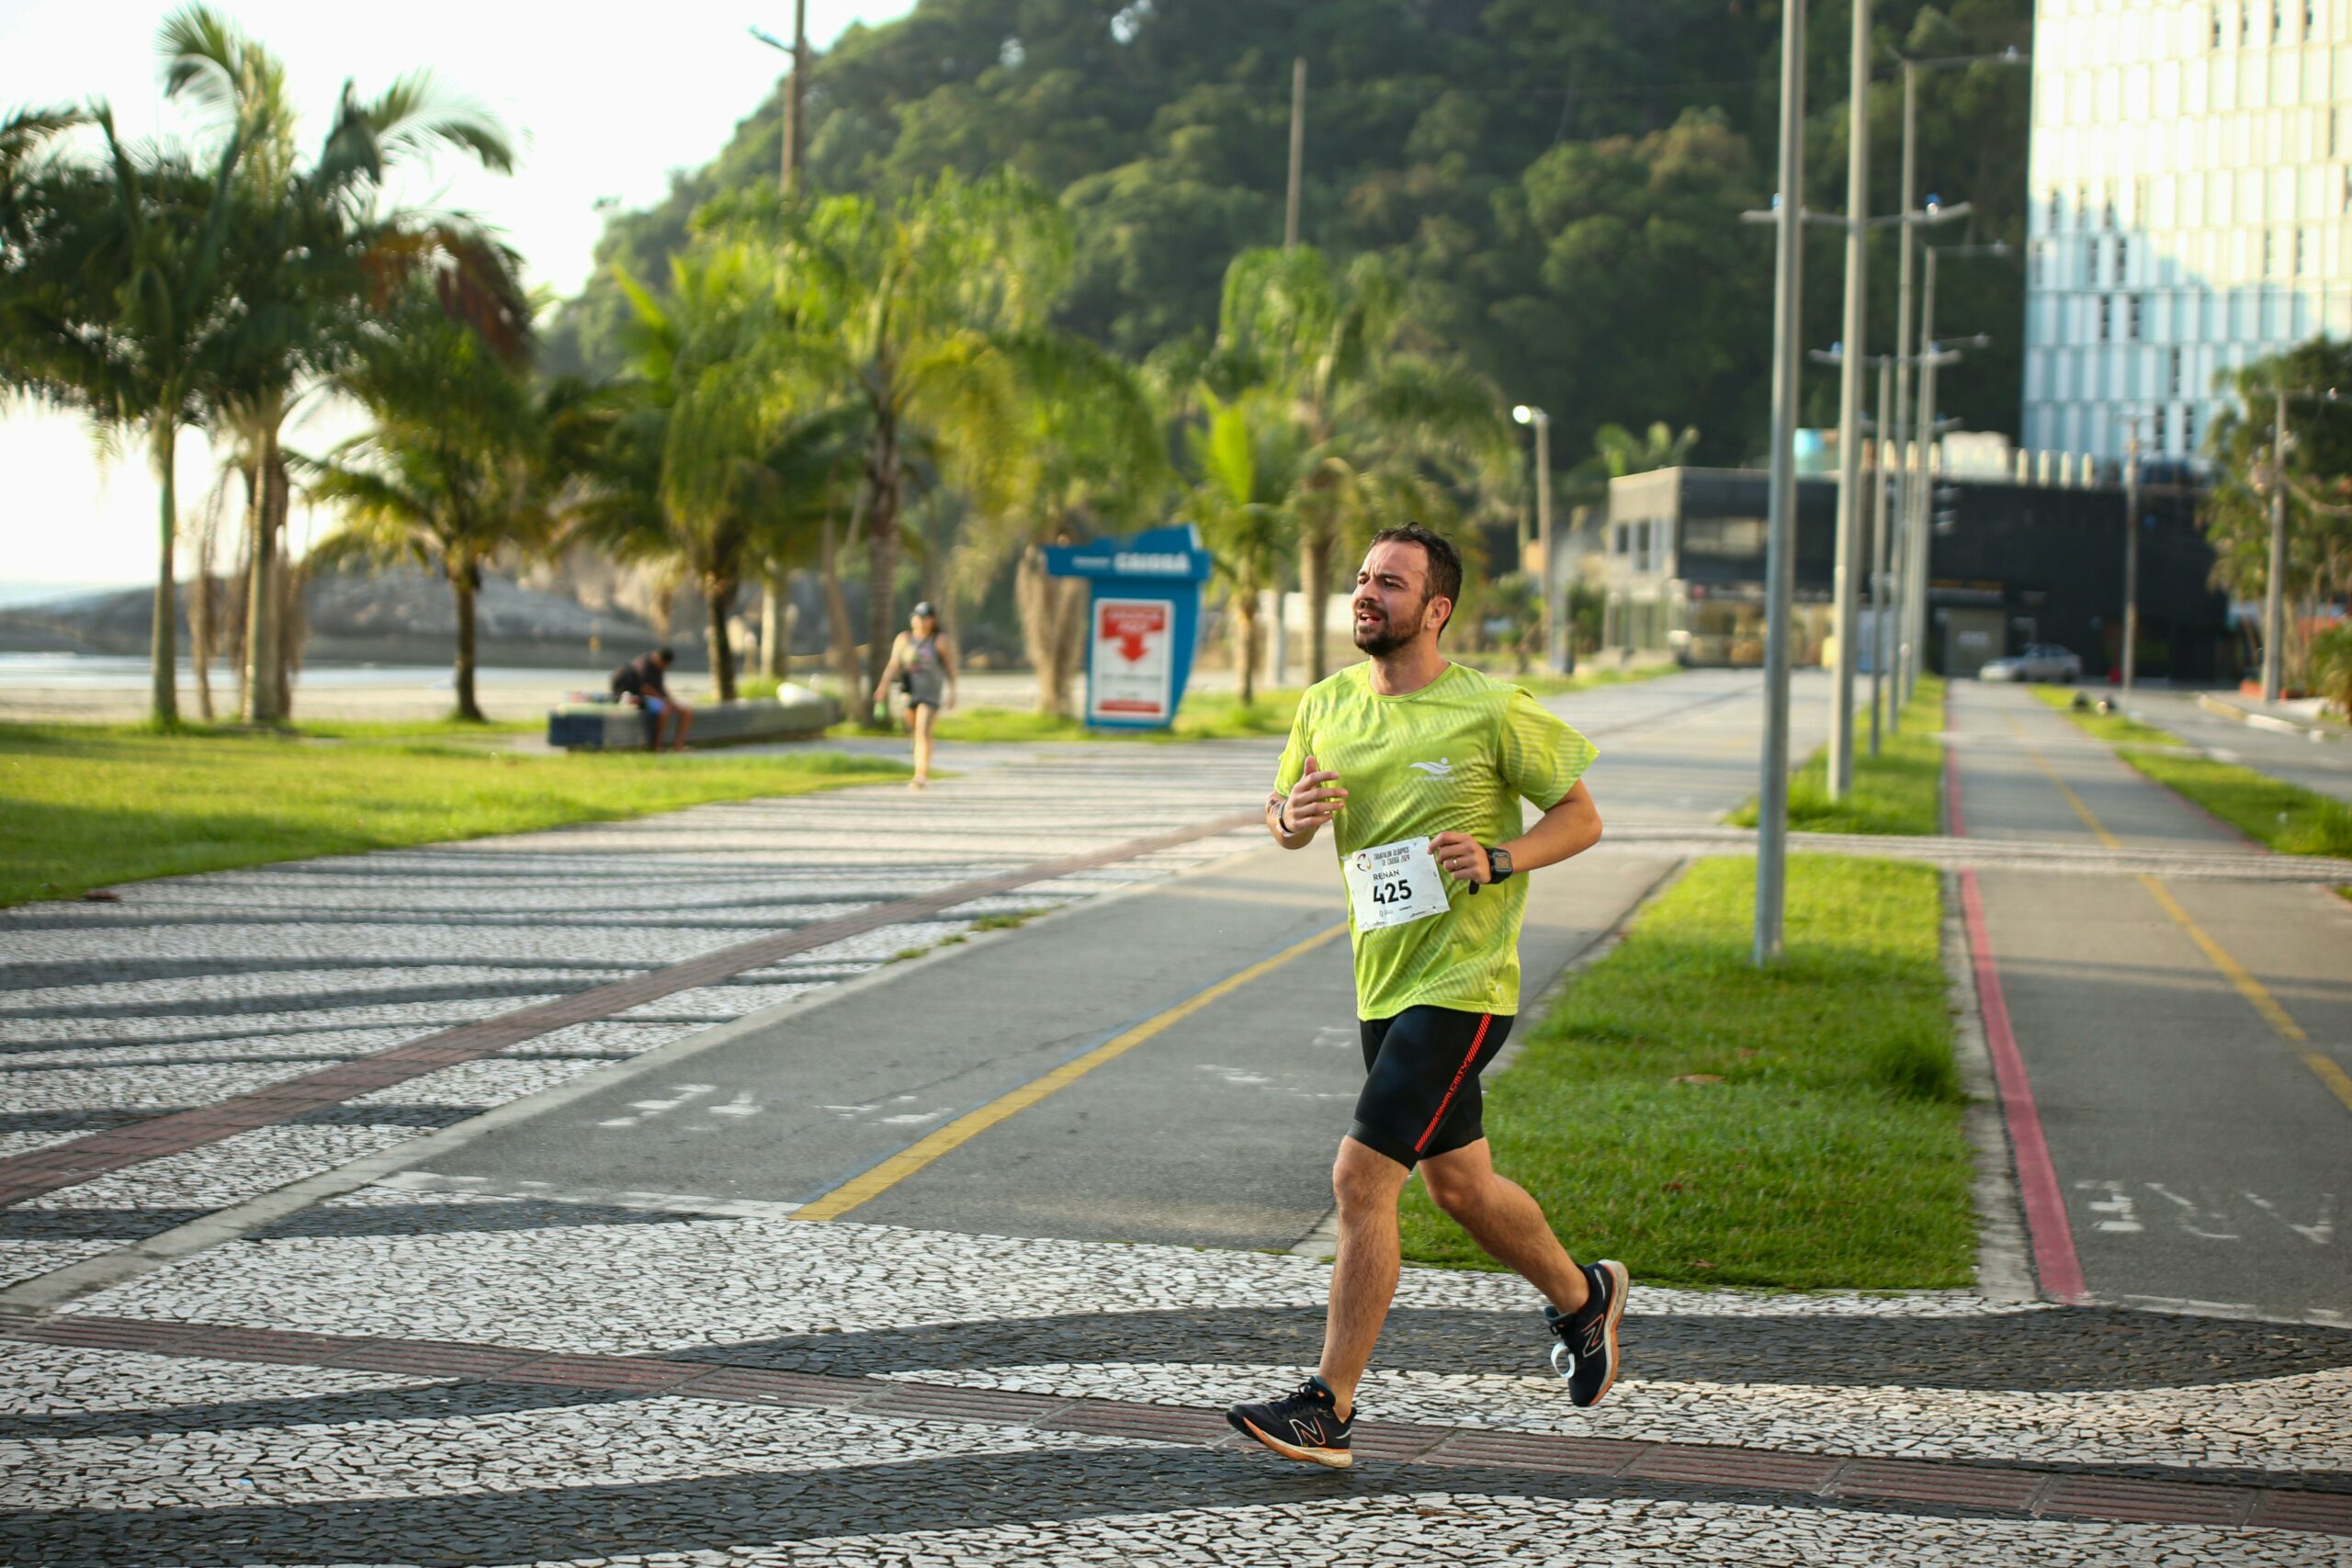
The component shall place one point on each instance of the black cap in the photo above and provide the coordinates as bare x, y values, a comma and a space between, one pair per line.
922, 608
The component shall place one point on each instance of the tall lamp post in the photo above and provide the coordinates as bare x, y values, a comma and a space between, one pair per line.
775, 609
1780, 550
1549, 577
2132, 548
1849, 405
1907, 500
1882, 577
1932, 356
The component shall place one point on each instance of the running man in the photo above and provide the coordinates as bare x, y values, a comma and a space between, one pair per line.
1419, 766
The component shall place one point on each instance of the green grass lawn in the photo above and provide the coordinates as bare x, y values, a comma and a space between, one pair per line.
1898, 791
84, 806
1715, 1124
2289, 818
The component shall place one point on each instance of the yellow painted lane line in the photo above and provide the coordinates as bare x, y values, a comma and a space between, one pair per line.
2082, 809
2280, 1021
964, 1129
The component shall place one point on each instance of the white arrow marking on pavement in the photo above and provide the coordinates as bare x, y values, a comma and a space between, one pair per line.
653, 1108
2189, 1214
741, 1105
2318, 1232
2116, 1205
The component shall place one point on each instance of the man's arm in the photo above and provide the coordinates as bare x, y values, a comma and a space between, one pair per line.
1569, 829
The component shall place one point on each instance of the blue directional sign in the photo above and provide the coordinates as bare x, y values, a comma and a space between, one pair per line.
1143, 622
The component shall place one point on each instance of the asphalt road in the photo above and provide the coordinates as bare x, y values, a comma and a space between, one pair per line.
2201, 1159
1217, 1131
2325, 766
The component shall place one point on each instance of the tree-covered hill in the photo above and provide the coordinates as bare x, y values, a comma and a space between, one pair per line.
1557, 182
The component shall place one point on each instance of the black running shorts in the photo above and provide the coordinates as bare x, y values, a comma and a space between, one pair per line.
1421, 1092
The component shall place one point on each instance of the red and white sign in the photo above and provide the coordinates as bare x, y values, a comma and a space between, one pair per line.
1130, 664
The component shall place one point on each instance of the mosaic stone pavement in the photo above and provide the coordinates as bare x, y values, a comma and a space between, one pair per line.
193, 989
940, 1398
422, 1371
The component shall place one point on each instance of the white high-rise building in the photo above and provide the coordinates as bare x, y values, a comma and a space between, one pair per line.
2191, 208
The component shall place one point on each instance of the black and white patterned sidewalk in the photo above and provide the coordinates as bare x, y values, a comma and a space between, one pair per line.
193, 990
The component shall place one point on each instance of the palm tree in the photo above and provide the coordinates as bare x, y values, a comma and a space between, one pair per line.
1617, 451
1376, 411
924, 310
315, 258
468, 457
116, 299
1250, 460
725, 467
1091, 458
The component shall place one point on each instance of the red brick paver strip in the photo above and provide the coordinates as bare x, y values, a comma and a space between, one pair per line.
2020, 1490
64, 1165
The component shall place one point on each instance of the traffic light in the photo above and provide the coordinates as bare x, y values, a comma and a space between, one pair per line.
1947, 499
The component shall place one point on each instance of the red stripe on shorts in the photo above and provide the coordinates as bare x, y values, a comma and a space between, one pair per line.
1455, 1087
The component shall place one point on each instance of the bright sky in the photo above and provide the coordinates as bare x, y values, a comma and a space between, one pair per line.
604, 109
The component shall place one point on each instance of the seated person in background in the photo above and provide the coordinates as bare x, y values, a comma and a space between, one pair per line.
639, 682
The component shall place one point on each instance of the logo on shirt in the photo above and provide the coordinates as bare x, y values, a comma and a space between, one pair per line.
1441, 769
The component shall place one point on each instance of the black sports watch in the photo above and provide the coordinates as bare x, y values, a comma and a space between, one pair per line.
1497, 866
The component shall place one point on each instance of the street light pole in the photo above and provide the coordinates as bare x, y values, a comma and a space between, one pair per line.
1916, 539
1840, 771
2130, 551
1915, 587
1881, 578
2274, 592
1772, 816
1547, 580
1903, 339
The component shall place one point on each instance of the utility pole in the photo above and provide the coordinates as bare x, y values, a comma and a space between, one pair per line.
2130, 550
1850, 406
1915, 545
776, 608
1546, 580
1779, 571
1903, 342
1915, 594
796, 133
1290, 242
2274, 591
1881, 578
1298, 149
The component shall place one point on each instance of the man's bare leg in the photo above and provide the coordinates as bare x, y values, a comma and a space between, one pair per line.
1363, 1276
1502, 1218
686, 721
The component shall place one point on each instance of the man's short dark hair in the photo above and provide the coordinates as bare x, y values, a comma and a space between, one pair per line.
666, 657
1445, 561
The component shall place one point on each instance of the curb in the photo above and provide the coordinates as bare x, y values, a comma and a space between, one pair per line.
2222, 707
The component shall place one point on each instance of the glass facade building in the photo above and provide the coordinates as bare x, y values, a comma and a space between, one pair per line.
2191, 192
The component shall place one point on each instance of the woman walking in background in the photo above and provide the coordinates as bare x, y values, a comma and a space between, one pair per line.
920, 666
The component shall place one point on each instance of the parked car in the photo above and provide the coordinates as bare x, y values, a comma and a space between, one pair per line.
2040, 662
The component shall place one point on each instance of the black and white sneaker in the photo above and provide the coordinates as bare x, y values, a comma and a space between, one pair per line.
1305, 1426
1586, 1353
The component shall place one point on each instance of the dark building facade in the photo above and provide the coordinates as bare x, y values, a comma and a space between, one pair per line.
1679, 555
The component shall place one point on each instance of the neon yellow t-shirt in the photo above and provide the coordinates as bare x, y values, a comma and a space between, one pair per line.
1458, 755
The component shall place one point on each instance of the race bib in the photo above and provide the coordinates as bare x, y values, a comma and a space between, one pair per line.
1395, 885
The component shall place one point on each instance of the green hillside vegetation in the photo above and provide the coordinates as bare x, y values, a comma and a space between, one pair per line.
1555, 184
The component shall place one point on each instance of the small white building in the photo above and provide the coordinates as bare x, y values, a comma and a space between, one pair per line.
2192, 192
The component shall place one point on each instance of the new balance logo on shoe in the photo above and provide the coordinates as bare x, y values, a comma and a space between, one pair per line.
1441, 769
